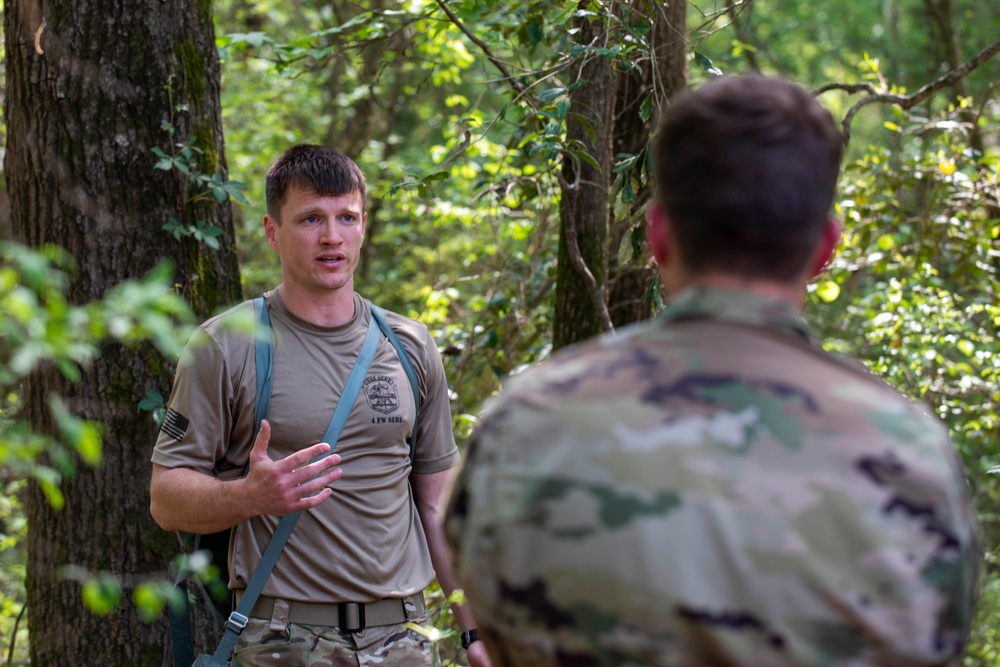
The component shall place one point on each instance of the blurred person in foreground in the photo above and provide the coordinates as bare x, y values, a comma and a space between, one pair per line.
711, 488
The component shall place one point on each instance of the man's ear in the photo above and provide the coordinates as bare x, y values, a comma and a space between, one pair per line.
658, 233
826, 246
269, 231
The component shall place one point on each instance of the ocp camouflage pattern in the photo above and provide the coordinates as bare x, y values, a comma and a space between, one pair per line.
711, 488
297, 645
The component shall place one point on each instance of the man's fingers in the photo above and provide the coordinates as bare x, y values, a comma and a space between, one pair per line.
316, 490
312, 501
263, 439
319, 470
303, 457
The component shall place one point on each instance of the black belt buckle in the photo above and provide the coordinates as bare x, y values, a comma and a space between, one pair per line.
351, 616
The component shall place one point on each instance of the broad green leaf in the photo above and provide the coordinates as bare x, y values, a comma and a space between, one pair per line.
625, 248
886, 242
101, 594
828, 290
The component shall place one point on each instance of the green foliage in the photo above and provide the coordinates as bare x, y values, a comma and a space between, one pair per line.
184, 160
207, 234
40, 326
917, 273
13, 532
984, 640
102, 592
913, 293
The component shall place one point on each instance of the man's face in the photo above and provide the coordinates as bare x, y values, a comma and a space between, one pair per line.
318, 240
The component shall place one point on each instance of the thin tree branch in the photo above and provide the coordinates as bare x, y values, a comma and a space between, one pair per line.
735, 9
499, 64
852, 88
909, 101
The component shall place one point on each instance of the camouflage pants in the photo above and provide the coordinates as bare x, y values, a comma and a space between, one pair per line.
321, 646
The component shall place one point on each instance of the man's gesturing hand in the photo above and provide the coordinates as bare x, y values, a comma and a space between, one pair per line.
291, 484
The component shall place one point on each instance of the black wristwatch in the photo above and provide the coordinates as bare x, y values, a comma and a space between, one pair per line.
468, 637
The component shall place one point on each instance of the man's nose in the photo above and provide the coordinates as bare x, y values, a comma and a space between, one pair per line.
330, 232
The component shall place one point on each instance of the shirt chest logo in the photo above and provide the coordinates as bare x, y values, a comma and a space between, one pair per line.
381, 394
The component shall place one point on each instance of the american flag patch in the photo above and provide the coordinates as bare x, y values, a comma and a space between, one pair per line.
175, 424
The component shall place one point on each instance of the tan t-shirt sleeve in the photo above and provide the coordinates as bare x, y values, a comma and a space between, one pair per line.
207, 411
436, 449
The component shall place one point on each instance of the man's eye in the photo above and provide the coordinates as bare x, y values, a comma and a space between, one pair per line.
347, 218
311, 219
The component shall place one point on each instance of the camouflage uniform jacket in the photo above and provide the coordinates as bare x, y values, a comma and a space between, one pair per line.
711, 488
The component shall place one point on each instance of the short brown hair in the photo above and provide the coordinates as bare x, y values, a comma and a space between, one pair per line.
746, 168
327, 171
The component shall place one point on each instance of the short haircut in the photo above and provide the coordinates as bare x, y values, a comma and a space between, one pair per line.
746, 169
326, 171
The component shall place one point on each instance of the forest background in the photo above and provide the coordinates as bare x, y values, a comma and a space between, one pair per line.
505, 147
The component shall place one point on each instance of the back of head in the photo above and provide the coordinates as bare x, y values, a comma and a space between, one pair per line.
747, 169
326, 171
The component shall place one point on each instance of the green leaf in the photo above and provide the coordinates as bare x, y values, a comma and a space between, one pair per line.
966, 347
48, 481
550, 94
152, 401
585, 157
646, 108
535, 34
828, 290
625, 248
706, 64
625, 163
628, 194
101, 594
89, 444
256, 39
562, 109
616, 187
150, 600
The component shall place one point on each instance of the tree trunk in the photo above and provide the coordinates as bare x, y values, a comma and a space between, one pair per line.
940, 12
583, 210
92, 86
664, 77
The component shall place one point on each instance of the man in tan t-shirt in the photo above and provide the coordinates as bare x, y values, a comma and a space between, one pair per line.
369, 539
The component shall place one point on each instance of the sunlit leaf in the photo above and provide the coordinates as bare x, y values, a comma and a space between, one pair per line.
966, 347
101, 594
828, 290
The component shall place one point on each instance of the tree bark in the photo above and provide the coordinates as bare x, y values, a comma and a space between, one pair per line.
91, 87
664, 77
583, 210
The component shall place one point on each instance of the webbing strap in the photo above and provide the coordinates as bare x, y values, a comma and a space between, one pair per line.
262, 357
379, 316
238, 619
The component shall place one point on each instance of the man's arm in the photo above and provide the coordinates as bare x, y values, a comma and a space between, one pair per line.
188, 500
428, 492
